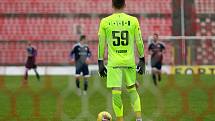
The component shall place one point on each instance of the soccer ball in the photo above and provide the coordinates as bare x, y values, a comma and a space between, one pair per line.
104, 116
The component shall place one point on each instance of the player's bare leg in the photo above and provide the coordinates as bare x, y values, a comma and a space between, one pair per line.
85, 85
37, 74
159, 75
77, 80
25, 80
135, 101
154, 77
117, 103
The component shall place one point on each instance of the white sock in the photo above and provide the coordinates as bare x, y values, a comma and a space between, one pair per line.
139, 119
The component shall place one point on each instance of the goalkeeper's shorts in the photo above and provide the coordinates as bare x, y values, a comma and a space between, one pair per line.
117, 75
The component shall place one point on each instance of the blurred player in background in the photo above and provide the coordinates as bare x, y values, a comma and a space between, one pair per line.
81, 54
119, 31
156, 50
31, 62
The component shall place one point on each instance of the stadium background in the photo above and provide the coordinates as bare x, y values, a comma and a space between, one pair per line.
187, 28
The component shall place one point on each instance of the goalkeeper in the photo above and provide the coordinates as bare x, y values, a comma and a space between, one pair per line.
119, 32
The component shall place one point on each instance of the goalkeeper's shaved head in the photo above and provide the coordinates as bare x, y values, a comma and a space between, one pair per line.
118, 4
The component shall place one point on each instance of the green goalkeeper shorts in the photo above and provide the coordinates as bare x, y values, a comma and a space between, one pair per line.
116, 76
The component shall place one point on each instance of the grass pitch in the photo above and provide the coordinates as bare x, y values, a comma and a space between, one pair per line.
55, 98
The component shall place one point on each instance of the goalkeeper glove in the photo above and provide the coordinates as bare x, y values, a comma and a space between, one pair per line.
102, 69
141, 66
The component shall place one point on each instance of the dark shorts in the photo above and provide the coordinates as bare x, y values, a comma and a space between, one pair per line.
156, 61
81, 68
30, 64
157, 65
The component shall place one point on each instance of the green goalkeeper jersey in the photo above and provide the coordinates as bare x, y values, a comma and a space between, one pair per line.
120, 32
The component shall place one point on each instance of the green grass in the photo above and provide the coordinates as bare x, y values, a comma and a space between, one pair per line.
55, 98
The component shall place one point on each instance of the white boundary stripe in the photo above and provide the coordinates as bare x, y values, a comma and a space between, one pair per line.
187, 37
59, 70
54, 70
43, 70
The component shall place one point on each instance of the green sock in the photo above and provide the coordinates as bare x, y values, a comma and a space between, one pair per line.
117, 103
135, 99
